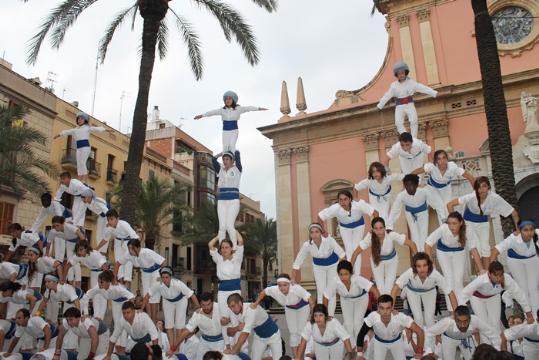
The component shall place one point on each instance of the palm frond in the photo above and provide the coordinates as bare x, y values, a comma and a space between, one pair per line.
134, 16
61, 27
162, 38
111, 29
269, 5
191, 39
233, 24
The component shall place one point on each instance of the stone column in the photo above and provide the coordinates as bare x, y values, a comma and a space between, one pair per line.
370, 141
285, 233
406, 43
429, 53
440, 133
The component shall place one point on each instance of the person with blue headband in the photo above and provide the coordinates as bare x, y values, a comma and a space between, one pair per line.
522, 260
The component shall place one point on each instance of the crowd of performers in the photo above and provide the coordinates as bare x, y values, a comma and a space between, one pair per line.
47, 314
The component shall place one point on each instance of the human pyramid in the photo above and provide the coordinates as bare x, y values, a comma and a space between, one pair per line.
221, 328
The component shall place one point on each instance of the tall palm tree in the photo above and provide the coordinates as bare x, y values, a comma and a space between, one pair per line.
501, 150
202, 225
21, 170
154, 37
262, 233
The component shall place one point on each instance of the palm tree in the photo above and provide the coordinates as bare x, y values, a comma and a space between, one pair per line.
262, 233
154, 37
501, 150
202, 225
21, 170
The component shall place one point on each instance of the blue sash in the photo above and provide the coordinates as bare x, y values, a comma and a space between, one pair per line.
354, 224
152, 268
267, 329
67, 213
388, 257
414, 289
230, 285
27, 355
37, 295
23, 269
83, 143
228, 193
443, 247
212, 338
54, 332
330, 260
380, 195
416, 210
532, 340
176, 299
243, 356
387, 341
464, 342
125, 238
299, 305
12, 327
514, 255
476, 218
436, 184
72, 355
230, 125
120, 299
80, 294
329, 343
145, 339
356, 296
43, 239
74, 240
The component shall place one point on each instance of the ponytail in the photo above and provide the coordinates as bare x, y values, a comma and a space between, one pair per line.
480, 180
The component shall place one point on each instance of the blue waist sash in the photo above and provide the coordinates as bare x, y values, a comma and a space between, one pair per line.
443, 247
66, 213
230, 285
476, 218
54, 332
145, 339
330, 260
387, 341
464, 342
267, 329
388, 257
80, 294
74, 240
38, 295
436, 184
227, 193
72, 355
103, 215
354, 224
125, 238
416, 210
299, 305
152, 268
243, 356
356, 296
230, 125
83, 143
212, 338
514, 255
176, 299
414, 289
12, 327
23, 270
532, 340
380, 195
329, 343
120, 299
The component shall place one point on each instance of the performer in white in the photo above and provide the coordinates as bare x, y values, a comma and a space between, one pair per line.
420, 281
351, 217
326, 253
522, 260
16, 298
99, 207
247, 318
56, 293
384, 259
297, 302
530, 335
478, 207
14, 272
379, 185
21, 237
410, 151
230, 114
416, 202
403, 90
49, 208
330, 339
39, 265
73, 187
81, 138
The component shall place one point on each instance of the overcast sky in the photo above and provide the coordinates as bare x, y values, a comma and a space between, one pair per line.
332, 45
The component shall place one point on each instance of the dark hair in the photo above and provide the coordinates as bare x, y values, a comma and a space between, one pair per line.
378, 166
385, 298
428, 357
14, 227
437, 153
319, 308
112, 213
83, 244
157, 352
411, 178
65, 174
462, 310
46, 199
57, 219
477, 183
106, 276
314, 223
406, 137
72, 312
376, 246
345, 265
348, 194
484, 352
9, 285
206, 296
495, 267
25, 312
234, 299
504, 355
462, 230
212, 355
139, 352
228, 241
32, 266
286, 357
422, 256
128, 305
134, 243
283, 275
535, 237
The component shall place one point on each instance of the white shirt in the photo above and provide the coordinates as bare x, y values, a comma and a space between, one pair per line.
82, 132
357, 210
34, 328
122, 231
359, 285
434, 279
98, 206
145, 259
379, 188
494, 204
228, 269
333, 330
176, 288
420, 197
418, 147
55, 209
19, 297
82, 329
163, 342
45, 264
7, 269
397, 323
518, 245
327, 247
482, 285
296, 293
230, 178
69, 233
448, 326
448, 239
114, 292
94, 260
403, 89
63, 292
251, 317
451, 173
142, 325
210, 326
388, 244
75, 188
27, 238
530, 331
230, 114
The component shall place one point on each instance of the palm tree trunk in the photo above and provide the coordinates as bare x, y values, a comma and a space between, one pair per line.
264, 272
501, 151
152, 12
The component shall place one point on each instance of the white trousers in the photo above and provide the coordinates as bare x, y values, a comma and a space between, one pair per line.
230, 137
452, 264
175, 313
396, 349
351, 239
74, 273
381, 205
335, 351
227, 211
148, 280
402, 112
531, 350
422, 318
260, 345
353, 312
99, 302
385, 274
419, 228
444, 193
323, 275
450, 345
78, 211
222, 297
488, 310
205, 346
526, 274
296, 320
116, 318
82, 155
100, 228
481, 231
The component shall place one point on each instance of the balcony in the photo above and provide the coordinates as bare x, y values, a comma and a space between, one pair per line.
69, 159
94, 168
112, 176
